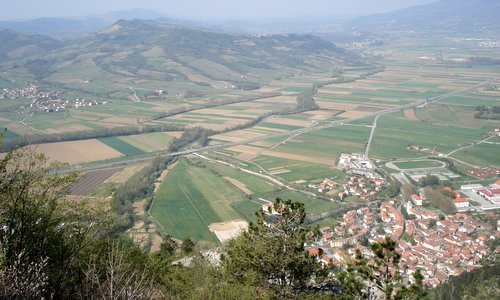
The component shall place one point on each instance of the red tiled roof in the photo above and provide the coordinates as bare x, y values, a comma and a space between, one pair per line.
415, 197
460, 200
313, 251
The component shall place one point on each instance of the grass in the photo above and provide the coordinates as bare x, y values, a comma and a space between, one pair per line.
121, 146
9, 134
418, 164
193, 196
480, 155
299, 170
5, 84
394, 132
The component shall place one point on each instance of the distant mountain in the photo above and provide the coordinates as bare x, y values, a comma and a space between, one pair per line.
75, 27
15, 44
450, 16
159, 51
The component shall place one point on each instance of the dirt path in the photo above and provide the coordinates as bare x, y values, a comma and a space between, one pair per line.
410, 114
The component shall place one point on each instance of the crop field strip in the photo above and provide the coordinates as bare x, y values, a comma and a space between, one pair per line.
121, 146
89, 181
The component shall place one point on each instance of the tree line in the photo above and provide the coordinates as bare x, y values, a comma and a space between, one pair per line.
15, 143
487, 112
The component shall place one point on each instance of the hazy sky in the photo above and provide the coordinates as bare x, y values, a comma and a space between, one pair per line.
203, 9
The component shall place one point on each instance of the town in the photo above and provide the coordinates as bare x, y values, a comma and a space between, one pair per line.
439, 245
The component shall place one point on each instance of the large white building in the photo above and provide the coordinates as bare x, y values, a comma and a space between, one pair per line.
490, 194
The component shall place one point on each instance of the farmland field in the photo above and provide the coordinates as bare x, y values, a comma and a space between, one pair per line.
121, 146
395, 132
191, 198
197, 193
480, 155
78, 152
89, 181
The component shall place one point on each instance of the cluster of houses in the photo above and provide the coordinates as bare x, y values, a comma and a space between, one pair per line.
418, 148
325, 186
54, 104
27, 92
490, 43
362, 187
45, 101
367, 43
439, 245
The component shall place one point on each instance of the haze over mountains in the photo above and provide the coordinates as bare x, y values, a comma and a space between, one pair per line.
457, 16
447, 15
158, 51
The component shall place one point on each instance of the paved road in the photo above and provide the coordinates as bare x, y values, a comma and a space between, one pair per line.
325, 125
401, 178
372, 133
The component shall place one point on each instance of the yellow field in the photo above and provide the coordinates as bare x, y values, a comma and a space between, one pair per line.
239, 185
77, 152
124, 174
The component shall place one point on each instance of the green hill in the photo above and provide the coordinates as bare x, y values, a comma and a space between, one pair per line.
155, 52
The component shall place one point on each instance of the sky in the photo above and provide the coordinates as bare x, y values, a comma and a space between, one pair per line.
221, 10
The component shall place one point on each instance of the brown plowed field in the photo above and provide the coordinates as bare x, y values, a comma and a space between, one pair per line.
77, 152
89, 181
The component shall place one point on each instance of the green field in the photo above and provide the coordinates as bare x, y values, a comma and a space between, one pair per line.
121, 146
328, 143
9, 134
394, 133
299, 170
418, 164
195, 194
192, 197
480, 155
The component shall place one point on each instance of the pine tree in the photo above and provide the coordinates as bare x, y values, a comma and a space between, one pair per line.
271, 253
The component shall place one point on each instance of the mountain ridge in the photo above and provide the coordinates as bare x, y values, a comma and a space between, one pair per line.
161, 52
451, 16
